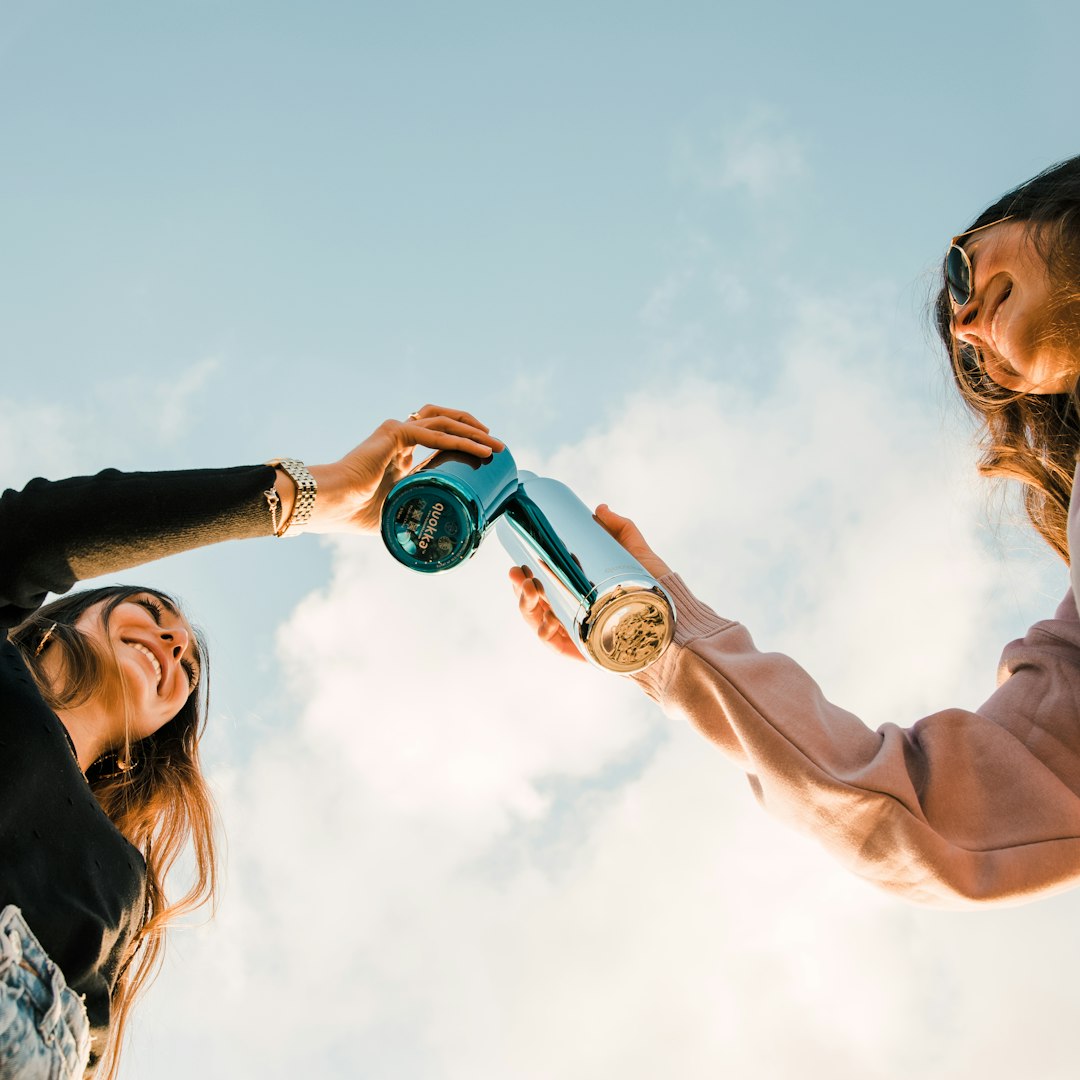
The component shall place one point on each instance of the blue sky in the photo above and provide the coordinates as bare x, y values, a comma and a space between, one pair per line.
676, 255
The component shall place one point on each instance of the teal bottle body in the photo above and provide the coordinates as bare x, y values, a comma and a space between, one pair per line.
436, 517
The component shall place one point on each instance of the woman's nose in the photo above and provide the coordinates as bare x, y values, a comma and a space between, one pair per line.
966, 320
176, 640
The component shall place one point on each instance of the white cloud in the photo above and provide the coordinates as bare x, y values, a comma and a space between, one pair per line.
658, 306
55, 440
468, 858
162, 400
37, 439
757, 154
173, 401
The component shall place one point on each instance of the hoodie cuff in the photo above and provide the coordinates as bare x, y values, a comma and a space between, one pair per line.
693, 620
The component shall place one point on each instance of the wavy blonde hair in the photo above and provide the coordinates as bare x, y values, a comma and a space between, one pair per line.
153, 791
1032, 438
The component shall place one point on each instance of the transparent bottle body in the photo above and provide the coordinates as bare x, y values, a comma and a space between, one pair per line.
613, 609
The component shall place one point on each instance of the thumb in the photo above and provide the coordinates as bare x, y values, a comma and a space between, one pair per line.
629, 535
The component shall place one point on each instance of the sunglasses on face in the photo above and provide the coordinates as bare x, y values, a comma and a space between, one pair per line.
959, 278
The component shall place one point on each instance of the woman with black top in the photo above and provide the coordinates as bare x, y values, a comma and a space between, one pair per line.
102, 700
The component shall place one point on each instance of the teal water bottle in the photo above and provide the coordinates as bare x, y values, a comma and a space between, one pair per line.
435, 518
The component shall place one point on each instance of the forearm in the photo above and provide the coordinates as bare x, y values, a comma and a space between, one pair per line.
53, 534
960, 808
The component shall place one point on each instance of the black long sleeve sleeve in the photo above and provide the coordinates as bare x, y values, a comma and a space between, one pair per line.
54, 533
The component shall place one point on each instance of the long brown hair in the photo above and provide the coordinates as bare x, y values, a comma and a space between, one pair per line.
1032, 438
153, 791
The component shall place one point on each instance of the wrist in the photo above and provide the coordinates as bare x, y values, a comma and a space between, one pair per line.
331, 501
285, 486
293, 496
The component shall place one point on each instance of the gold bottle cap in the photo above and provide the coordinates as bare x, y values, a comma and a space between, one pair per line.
630, 630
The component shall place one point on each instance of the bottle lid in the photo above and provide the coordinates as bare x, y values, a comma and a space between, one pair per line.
629, 630
429, 527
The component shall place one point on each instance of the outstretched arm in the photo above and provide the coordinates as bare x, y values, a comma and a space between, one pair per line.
54, 533
963, 807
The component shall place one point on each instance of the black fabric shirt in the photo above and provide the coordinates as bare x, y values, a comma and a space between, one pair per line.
79, 883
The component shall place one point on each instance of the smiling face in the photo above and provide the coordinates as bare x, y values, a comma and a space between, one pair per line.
1011, 319
156, 657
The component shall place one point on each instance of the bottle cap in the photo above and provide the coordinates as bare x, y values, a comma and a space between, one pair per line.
429, 526
629, 629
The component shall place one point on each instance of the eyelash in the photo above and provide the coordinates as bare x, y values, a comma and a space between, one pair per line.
153, 607
157, 613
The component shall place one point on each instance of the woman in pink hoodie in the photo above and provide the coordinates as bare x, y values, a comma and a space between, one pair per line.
963, 807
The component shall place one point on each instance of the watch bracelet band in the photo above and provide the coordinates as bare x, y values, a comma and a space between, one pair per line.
306, 490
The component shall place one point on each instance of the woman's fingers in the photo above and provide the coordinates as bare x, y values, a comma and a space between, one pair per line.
446, 432
530, 593
351, 490
429, 411
436, 426
538, 615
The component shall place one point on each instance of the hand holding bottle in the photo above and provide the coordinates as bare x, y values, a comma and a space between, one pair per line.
352, 489
533, 604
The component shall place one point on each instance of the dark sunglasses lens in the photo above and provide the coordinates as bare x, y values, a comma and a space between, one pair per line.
958, 274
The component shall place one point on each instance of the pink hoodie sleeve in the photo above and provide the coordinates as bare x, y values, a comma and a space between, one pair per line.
962, 808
